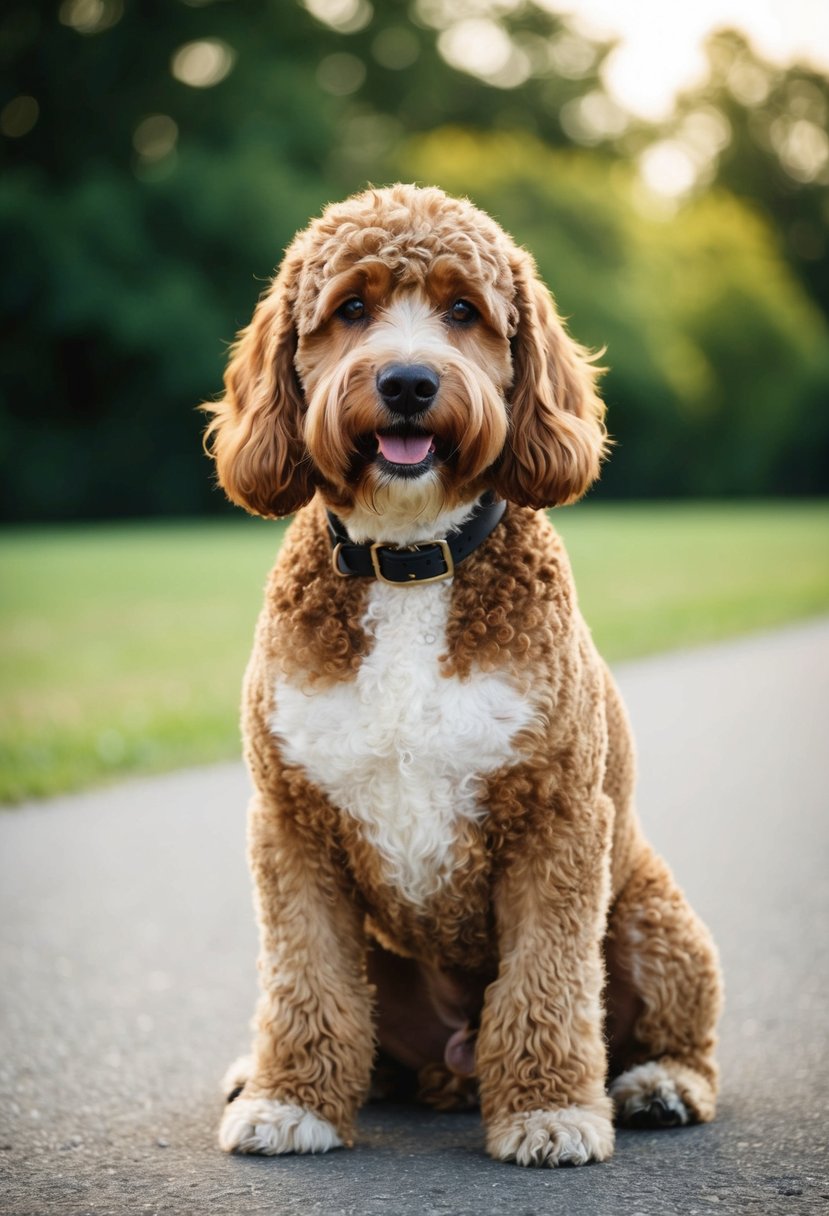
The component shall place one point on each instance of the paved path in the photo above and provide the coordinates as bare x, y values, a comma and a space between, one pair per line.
127, 982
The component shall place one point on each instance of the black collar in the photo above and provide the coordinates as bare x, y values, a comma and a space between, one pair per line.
428, 562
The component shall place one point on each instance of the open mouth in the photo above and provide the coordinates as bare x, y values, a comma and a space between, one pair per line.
404, 451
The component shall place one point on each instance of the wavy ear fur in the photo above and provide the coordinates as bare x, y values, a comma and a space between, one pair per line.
255, 435
557, 434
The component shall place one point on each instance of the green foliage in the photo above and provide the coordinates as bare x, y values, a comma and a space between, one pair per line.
776, 148
122, 646
141, 216
129, 272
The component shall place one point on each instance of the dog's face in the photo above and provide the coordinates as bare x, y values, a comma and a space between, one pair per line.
405, 358
404, 372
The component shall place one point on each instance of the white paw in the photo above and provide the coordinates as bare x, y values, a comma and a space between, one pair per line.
236, 1075
264, 1125
571, 1136
647, 1096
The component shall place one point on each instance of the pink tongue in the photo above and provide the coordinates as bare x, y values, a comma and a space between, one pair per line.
409, 450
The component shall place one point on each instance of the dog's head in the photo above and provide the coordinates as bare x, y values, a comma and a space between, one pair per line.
405, 358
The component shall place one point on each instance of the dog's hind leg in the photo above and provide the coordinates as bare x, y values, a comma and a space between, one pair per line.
663, 998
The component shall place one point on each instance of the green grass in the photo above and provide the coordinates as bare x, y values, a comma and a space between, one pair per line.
122, 646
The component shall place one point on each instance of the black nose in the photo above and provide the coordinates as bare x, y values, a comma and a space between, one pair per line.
407, 388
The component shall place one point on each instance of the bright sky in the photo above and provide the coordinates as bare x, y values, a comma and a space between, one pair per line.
660, 51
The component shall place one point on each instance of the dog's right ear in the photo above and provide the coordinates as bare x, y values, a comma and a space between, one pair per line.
557, 435
255, 434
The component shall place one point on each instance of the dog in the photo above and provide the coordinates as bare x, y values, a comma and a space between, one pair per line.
451, 883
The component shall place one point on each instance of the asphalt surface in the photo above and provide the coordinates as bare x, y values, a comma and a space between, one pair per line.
127, 983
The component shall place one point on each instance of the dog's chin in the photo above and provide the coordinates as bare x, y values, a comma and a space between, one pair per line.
386, 486
397, 507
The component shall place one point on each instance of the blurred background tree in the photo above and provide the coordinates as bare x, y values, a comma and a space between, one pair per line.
158, 156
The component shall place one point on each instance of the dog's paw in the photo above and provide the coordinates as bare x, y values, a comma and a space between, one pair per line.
662, 1094
265, 1125
571, 1136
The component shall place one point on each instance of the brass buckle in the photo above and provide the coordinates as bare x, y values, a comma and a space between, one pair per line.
415, 581
335, 561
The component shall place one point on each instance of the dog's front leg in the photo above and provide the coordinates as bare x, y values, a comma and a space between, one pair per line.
541, 1057
313, 1048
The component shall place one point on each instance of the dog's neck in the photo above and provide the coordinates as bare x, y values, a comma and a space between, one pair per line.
407, 518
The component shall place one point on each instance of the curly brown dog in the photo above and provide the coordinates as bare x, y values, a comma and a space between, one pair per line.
447, 859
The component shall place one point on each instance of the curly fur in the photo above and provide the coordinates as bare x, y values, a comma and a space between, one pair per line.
443, 840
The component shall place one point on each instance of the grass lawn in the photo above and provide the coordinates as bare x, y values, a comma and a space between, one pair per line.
122, 646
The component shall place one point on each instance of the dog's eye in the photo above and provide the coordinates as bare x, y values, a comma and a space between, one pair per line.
352, 310
462, 312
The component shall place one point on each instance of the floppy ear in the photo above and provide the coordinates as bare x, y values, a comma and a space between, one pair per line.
557, 434
255, 435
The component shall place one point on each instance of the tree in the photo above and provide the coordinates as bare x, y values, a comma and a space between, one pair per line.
768, 143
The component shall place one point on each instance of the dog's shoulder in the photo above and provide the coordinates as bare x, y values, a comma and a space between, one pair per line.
311, 624
515, 603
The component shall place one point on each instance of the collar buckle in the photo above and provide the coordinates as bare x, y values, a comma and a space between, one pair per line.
446, 554
335, 561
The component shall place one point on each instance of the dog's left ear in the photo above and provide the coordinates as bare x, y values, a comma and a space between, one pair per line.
557, 435
255, 435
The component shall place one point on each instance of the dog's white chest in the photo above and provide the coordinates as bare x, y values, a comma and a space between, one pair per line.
401, 747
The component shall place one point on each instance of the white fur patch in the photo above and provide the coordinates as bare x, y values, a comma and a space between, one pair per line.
262, 1125
401, 747
407, 512
408, 331
571, 1136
